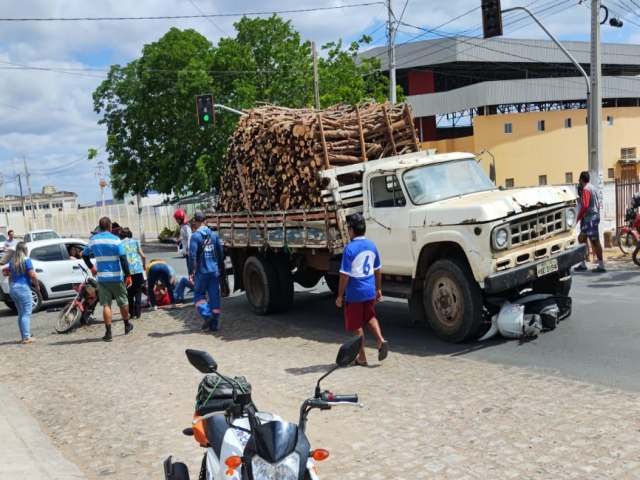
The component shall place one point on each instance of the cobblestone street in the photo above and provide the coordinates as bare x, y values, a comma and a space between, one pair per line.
117, 410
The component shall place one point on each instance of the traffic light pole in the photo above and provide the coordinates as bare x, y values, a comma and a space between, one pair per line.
228, 109
593, 115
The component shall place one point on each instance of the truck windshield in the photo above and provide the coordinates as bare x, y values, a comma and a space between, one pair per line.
431, 183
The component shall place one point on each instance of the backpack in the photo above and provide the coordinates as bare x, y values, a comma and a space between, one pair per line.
216, 393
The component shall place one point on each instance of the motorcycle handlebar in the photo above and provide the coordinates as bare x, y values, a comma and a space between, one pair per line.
350, 398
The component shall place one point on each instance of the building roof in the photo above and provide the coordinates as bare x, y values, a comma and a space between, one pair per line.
438, 52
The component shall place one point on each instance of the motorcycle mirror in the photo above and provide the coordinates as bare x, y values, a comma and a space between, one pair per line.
349, 351
201, 360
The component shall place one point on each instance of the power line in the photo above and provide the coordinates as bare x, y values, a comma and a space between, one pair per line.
181, 17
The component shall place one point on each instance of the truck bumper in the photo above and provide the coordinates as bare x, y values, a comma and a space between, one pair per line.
519, 276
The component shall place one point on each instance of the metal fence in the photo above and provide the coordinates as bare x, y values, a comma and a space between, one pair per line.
625, 189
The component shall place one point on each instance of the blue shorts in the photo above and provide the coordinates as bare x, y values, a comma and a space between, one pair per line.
589, 228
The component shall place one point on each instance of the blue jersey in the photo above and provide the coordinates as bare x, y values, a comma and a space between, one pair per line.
360, 260
131, 248
107, 249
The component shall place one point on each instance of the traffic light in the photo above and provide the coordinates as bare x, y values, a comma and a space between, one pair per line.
616, 22
206, 112
491, 18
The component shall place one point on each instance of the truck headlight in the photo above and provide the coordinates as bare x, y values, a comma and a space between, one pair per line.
501, 237
571, 217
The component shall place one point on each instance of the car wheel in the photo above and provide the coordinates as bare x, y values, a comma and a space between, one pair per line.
11, 306
36, 301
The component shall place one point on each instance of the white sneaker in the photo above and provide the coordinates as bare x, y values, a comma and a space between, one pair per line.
154, 308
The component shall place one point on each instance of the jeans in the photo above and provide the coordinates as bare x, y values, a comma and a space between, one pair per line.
207, 285
183, 284
21, 296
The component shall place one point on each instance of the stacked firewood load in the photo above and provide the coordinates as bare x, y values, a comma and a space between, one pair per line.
275, 152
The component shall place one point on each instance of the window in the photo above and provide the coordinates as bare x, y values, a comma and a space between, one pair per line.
567, 123
56, 204
43, 206
609, 120
542, 180
627, 153
541, 125
568, 177
509, 183
386, 192
611, 173
48, 253
508, 128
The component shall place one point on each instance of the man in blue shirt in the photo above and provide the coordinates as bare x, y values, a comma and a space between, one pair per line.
360, 286
205, 261
111, 266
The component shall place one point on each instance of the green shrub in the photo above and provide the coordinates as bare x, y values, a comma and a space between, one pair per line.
169, 236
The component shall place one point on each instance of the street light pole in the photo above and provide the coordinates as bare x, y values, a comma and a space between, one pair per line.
595, 115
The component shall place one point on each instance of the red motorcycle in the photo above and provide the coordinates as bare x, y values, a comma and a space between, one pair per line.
80, 309
628, 234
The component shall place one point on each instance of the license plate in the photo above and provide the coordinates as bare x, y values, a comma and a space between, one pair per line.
545, 268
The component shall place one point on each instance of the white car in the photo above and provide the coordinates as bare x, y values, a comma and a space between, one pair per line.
35, 235
57, 272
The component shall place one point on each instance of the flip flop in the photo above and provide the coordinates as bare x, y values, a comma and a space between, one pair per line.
358, 363
383, 351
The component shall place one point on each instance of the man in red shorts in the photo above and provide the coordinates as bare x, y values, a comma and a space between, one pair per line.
360, 280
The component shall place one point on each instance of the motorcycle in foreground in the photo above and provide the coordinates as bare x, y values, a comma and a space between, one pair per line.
80, 309
245, 443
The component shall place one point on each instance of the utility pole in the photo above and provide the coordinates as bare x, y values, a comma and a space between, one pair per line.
33, 210
316, 87
595, 114
21, 195
4, 200
392, 55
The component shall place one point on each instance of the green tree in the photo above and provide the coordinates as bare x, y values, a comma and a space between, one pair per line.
346, 78
148, 106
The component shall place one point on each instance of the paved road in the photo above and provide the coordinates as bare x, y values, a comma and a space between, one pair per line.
431, 410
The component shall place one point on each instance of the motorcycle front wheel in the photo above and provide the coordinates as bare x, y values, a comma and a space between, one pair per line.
68, 319
627, 242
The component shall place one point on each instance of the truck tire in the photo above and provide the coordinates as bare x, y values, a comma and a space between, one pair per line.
452, 301
261, 285
283, 268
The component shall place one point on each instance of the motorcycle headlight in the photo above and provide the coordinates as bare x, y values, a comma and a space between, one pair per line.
571, 218
501, 237
285, 469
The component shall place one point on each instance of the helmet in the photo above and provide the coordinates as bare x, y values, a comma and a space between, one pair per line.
180, 215
513, 323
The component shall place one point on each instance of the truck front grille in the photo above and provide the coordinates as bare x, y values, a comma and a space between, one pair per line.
537, 227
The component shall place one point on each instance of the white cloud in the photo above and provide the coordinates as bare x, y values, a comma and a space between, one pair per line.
47, 115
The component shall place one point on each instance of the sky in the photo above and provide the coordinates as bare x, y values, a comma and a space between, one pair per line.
55, 53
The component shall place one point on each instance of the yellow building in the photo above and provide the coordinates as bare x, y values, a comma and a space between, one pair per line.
550, 147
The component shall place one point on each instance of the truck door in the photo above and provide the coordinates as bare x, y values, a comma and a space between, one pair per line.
387, 218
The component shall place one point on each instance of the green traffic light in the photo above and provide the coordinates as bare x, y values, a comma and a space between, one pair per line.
206, 118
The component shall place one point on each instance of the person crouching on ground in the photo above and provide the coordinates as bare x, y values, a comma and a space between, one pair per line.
159, 270
361, 280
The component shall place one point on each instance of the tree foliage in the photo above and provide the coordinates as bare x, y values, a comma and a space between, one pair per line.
148, 105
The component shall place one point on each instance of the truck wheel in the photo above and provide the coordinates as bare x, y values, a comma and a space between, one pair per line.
261, 285
452, 301
333, 282
282, 265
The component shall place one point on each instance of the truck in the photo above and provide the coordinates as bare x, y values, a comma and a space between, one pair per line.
451, 243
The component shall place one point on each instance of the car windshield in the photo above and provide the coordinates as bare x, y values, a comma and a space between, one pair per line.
438, 181
43, 236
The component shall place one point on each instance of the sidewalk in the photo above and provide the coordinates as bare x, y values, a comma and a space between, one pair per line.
27, 452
